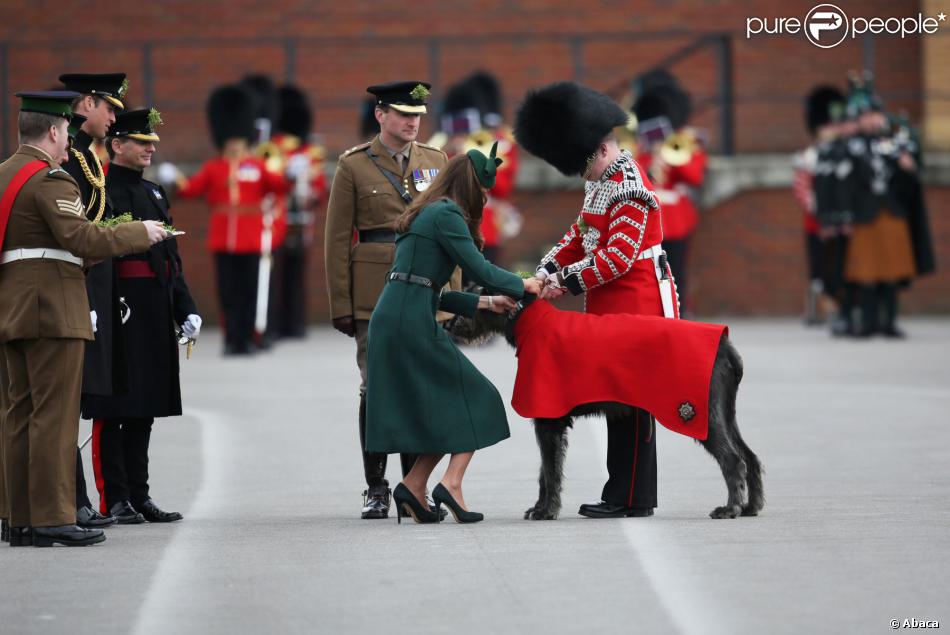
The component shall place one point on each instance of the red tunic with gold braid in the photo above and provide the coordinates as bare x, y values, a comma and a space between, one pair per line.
600, 253
235, 191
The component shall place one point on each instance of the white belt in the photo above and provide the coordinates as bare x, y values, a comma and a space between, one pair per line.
653, 252
13, 255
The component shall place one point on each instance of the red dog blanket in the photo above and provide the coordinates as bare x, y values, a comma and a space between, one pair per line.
661, 365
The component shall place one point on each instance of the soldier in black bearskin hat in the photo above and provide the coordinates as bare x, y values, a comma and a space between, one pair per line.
305, 161
235, 185
612, 253
675, 160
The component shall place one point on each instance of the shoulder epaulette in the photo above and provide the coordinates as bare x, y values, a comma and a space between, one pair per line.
361, 146
428, 147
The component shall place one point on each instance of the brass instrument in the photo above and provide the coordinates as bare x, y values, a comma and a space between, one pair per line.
678, 148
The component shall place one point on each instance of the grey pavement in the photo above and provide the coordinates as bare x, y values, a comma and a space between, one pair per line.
265, 466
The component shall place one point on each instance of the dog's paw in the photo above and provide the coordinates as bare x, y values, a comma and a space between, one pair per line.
727, 511
750, 511
540, 514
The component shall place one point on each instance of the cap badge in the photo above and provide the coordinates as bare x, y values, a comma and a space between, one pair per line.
419, 92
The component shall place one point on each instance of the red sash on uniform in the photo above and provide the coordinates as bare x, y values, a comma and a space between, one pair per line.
13, 190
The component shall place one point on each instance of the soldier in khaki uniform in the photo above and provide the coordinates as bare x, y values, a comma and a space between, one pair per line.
373, 185
45, 321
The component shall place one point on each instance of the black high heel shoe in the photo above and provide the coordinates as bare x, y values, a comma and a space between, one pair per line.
441, 495
407, 505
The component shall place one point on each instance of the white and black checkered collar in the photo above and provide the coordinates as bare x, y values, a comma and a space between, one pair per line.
618, 164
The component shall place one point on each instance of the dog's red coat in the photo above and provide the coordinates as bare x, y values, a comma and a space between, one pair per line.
662, 365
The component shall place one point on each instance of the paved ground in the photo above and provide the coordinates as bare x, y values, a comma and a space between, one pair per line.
265, 466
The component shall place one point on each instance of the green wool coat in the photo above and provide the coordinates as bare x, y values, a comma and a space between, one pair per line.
423, 395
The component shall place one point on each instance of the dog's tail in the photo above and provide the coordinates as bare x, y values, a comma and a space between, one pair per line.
734, 359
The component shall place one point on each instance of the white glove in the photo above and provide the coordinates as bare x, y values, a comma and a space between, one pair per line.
93, 317
297, 166
168, 174
541, 274
191, 327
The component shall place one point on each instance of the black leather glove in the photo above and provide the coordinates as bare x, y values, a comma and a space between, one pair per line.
345, 325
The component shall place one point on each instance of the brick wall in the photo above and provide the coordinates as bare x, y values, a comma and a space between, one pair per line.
748, 255
176, 51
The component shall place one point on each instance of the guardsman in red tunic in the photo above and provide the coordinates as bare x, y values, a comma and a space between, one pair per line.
612, 252
235, 185
675, 160
305, 161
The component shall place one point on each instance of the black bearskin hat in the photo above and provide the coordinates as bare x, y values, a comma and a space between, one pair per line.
266, 101
230, 114
296, 118
818, 106
489, 91
656, 78
563, 123
461, 96
664, 101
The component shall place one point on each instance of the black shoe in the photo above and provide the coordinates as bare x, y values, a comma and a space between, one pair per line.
604, 509
376, 502
91, 519
407, 505
442, 495
69, 535
20, 536
125, 514
4, 530
893, 332
431, 503
154, 514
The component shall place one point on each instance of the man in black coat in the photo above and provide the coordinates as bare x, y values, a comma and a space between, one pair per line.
100, 97
159, 305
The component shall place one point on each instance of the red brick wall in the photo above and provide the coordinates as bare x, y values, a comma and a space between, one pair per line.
334, 50
748, 255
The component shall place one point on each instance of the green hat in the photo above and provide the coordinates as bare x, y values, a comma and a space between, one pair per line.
48, 102
485, 167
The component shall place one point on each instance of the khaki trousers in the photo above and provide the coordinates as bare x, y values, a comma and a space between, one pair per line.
4, 507
41, 429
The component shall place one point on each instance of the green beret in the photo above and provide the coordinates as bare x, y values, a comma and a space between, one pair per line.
485, 167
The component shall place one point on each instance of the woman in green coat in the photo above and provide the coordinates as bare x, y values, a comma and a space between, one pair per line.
423, 395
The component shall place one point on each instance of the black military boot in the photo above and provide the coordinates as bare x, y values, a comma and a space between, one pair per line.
376, 497
376, 501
